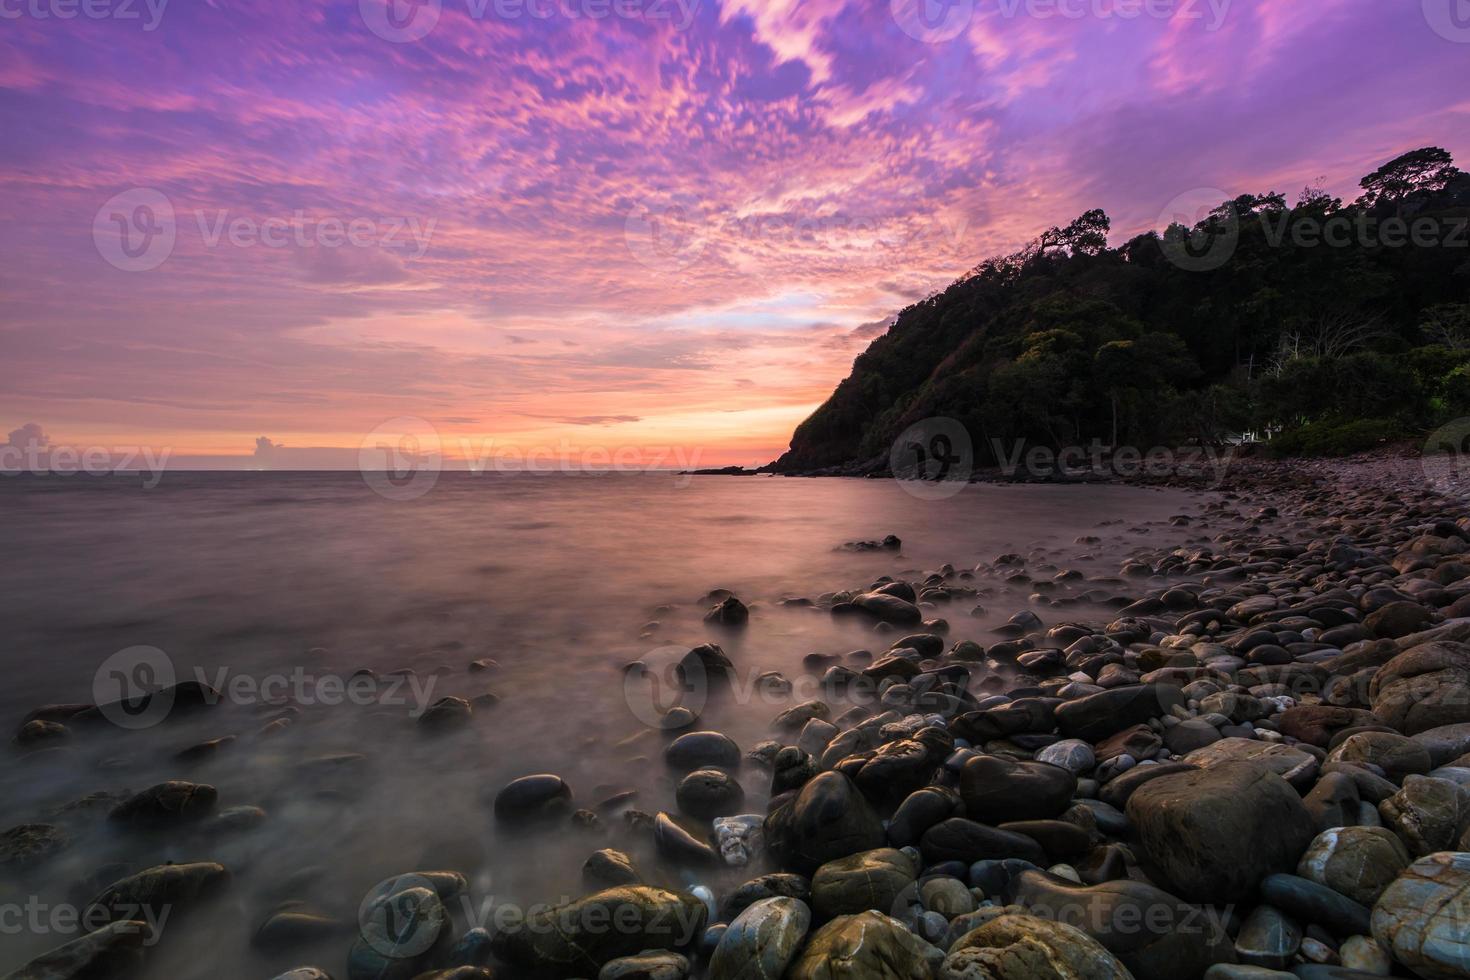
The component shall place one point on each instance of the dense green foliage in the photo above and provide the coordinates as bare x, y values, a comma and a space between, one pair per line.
1305, 322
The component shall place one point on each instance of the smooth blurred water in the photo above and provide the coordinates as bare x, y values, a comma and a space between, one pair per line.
292, 576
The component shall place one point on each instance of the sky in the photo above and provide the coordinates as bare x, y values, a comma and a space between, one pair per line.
266, 234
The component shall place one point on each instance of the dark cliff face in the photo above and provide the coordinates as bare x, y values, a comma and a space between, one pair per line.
1069, 341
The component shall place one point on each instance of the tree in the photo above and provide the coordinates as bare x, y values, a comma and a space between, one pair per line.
1087, 235
1427, 169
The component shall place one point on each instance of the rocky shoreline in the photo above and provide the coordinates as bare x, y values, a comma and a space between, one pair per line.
1260, 767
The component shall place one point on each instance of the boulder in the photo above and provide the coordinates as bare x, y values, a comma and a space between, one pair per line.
166, 889
1425, 687
827, 819
113, 951
1295, 766
867, 946
575, 939
1397, 755
762, 941
1428, 814
870, 880
1097, 716
996, 789
1421, 917
958, 839
1212, 834
533, 797
171, 804
1154, 934
1359, 862
1025, 947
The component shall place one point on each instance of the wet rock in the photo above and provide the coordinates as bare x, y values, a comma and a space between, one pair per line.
446, 714
291, 927
171, 804
762, 941
827, 819
1188, 736
731, 613
1428, 814
966, 841
574, 939
1099, 715
698, 750
1446, 743
680, 845
112, 951
870, 880
1212, 834
648, 965
867, 946
709, 793
1398, 619
1359, 862
1333, 802
39, 732
1294, 765
171, 887
543, 796
919, 811
1421, 916
741, 839
1365, 955
400, 931
1425, 687
886, 608
996, 789
1317, 724
1310, 902
1024, 947
949, 897
1073, 755
1156, 935
776, 885
29, 844
1395, 754
1268, 938
610, 867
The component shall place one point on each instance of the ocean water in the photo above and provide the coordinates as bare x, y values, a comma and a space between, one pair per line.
276, 588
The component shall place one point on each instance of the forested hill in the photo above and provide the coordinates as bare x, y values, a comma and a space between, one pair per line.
1322, 323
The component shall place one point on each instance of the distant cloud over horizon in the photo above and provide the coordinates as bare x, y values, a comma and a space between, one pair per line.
285, 217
